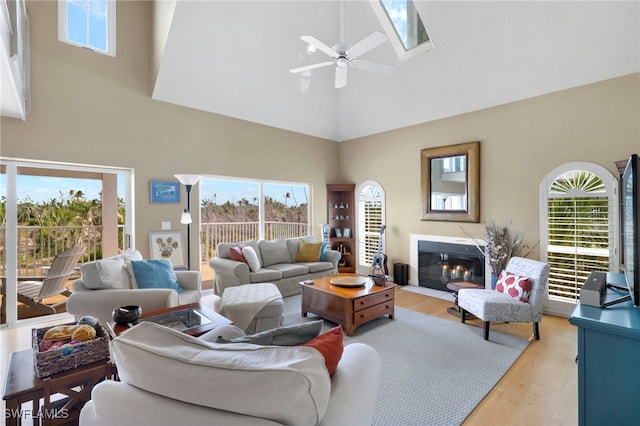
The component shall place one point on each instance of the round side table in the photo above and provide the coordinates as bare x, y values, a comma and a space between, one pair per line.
455, 286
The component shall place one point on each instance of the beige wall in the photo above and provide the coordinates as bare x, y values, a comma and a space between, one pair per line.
520, 144
93, 109
88, 108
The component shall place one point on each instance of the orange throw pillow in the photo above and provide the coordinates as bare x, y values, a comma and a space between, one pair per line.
330, 346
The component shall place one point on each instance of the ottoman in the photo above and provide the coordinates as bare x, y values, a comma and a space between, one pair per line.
253, 307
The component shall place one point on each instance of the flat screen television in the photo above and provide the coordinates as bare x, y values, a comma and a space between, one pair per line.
630, 204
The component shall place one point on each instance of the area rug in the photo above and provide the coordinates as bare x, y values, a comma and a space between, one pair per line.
435, 371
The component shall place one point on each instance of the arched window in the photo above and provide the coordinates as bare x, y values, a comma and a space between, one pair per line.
579, 229
371, 216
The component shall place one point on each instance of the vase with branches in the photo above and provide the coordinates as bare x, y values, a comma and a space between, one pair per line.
501, 244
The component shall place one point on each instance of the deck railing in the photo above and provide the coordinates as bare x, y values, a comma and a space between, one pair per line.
38, 245
232, 232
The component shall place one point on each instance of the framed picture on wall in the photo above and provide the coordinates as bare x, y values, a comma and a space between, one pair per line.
165, 191
168, 245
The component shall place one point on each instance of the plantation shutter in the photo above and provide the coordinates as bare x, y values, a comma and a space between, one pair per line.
580, 230
370, 220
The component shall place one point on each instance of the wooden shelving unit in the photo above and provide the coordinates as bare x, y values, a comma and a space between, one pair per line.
340, 217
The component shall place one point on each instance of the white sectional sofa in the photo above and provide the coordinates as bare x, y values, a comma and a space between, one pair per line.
170, 378
278, 265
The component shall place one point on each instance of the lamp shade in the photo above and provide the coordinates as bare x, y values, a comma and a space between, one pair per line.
185, 218
187, 179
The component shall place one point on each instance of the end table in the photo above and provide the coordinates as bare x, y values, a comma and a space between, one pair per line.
23, 385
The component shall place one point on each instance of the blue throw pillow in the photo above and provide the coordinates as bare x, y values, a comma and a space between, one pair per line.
323, 251
155, 273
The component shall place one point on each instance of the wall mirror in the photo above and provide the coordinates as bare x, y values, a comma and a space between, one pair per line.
450, 183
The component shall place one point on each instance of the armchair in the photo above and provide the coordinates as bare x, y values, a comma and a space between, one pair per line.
492, 305
107, 284
34, 291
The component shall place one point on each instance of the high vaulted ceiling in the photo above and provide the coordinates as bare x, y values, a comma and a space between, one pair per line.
232, 58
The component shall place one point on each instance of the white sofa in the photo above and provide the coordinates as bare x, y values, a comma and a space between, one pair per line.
107, 284
170, 378
277, 265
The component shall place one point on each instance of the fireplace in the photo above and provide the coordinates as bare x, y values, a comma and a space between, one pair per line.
442, 262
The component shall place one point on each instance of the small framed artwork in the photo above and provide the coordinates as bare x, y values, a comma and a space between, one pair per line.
165, 192
338, 232
168, 245
346, 232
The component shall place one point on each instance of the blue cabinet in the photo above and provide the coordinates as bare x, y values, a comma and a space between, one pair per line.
608, 363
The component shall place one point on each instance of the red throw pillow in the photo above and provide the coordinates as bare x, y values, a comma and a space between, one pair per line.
235, 253
514, 285
330, 346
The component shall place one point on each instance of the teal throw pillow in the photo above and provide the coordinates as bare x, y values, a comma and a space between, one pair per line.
155, 273
323, 251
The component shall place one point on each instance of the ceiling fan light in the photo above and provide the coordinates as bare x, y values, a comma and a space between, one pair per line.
341, 62
310, 49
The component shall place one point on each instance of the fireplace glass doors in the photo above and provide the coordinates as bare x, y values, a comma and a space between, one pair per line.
440, 263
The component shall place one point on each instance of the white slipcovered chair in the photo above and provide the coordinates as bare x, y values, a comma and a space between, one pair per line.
492, 305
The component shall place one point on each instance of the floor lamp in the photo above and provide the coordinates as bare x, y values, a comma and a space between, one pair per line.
188, 181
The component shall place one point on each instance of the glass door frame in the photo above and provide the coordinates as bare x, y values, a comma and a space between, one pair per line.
11, 170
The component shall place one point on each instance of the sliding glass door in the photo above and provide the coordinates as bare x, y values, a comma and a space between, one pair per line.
47, 208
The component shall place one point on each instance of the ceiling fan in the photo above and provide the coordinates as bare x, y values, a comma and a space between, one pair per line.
343, 55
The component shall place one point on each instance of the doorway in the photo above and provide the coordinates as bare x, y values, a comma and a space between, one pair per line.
47, 207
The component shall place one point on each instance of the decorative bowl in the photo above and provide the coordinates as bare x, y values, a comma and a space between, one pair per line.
126, 314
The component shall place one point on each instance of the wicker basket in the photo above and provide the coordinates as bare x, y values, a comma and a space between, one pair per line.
53, 361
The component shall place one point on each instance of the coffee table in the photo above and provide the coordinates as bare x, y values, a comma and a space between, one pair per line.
349, 306
194, 319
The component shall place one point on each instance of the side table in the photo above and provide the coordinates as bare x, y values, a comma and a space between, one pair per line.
23, 385
455, 286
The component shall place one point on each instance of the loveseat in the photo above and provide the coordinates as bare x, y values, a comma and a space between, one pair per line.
170, 378
109, 283
276, 263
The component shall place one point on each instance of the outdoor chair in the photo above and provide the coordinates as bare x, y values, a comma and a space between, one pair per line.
33, 292
492, 305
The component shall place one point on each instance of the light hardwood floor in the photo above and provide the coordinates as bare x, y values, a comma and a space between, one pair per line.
540, 388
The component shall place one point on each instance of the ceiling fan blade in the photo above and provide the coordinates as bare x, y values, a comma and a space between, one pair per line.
311, 67
372, 66
319, 45
341, 77
372, 41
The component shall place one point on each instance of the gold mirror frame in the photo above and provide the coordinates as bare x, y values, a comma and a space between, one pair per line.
471, 151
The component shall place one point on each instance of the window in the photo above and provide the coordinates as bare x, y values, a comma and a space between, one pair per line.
235, 209
579, 229
88, 23
371, 211
403, 25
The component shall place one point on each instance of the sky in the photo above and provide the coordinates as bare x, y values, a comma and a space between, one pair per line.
233, 191
43, 189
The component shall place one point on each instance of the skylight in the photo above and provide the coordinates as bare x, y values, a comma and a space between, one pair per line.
403, 25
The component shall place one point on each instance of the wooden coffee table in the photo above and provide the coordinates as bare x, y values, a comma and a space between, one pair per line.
348, 306
194, 319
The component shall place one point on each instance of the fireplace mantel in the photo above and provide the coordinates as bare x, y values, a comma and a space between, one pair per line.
413, 252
